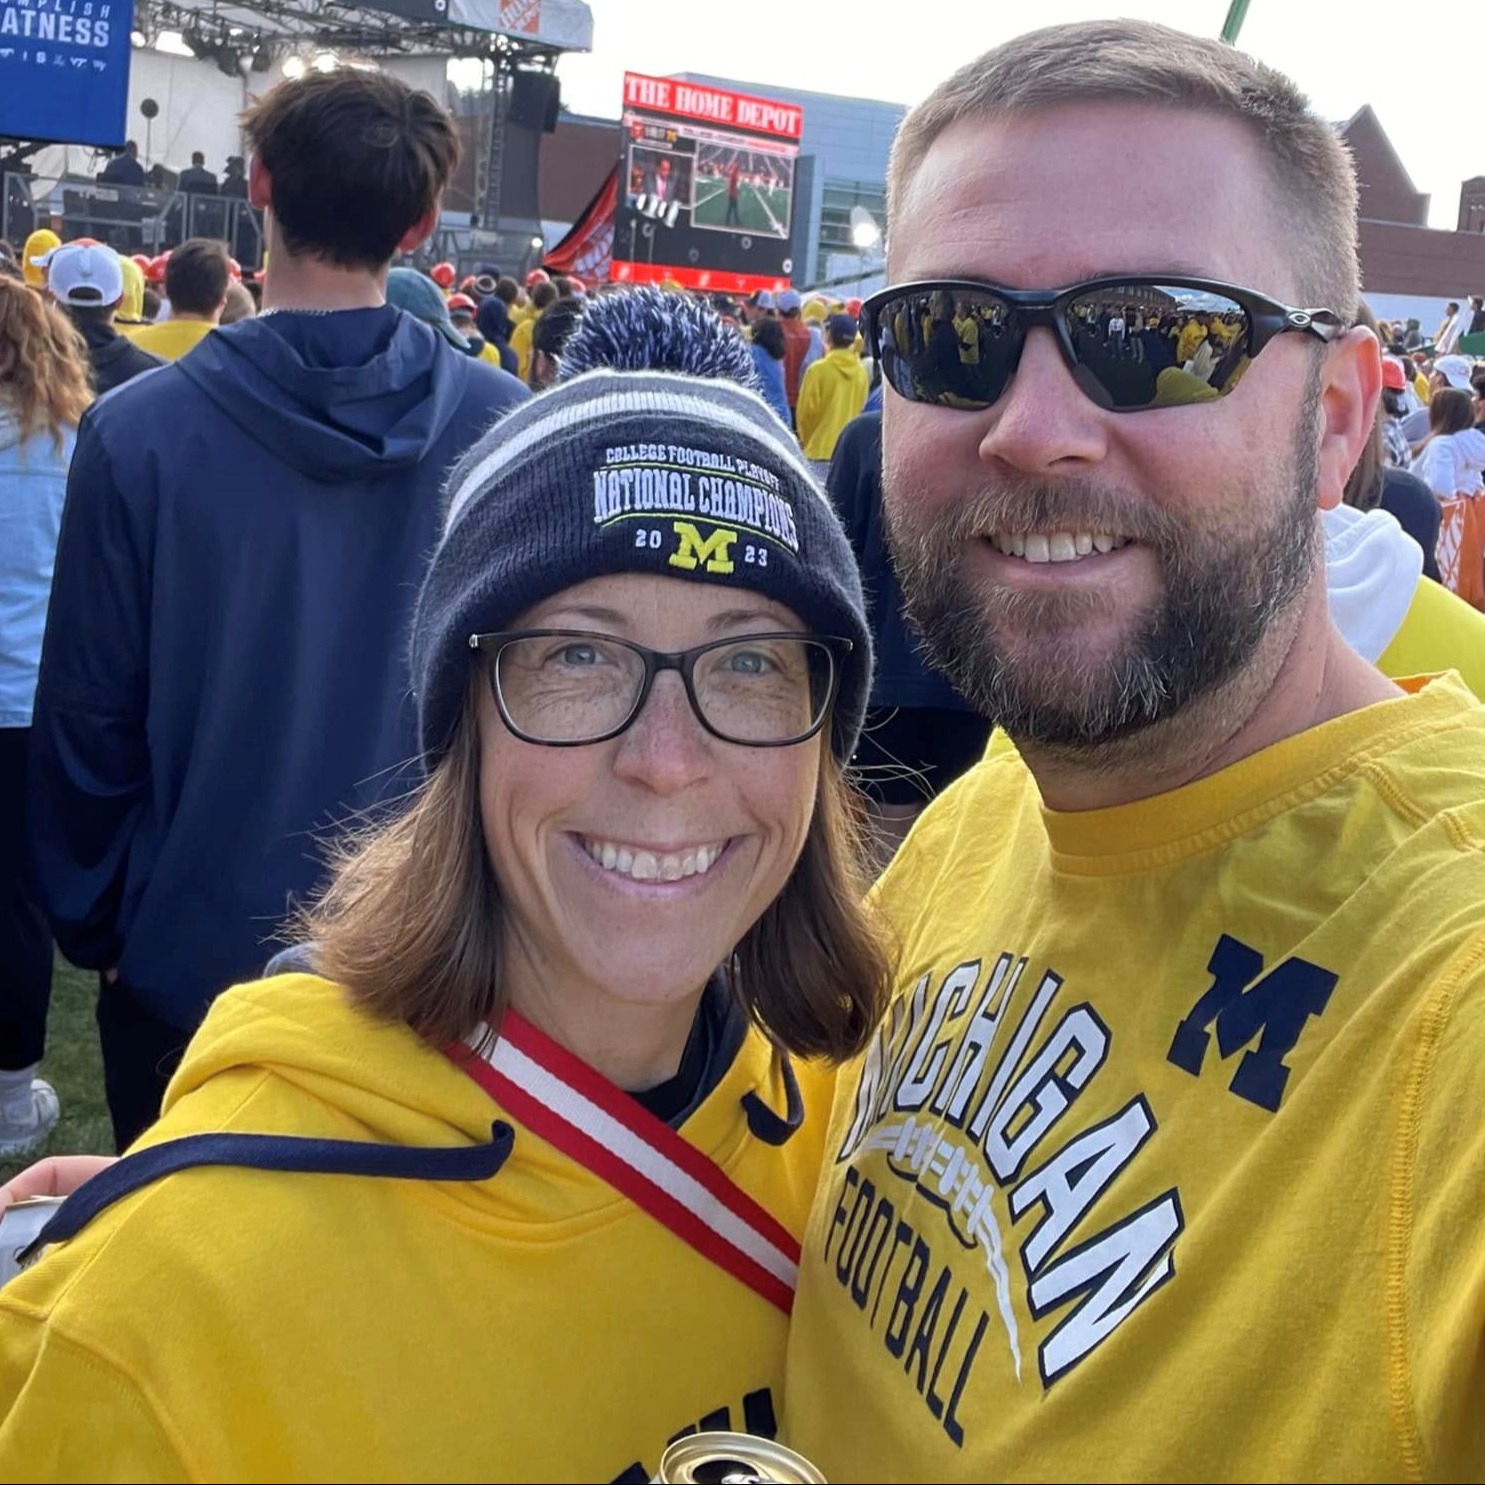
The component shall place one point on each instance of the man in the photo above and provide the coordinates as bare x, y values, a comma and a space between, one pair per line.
556, 323
733, 219
196, 279
87, 279
831, 393
198, 180
234, 179
124, 169
221, 680
1446, 342
1477, 315
1168, 1163
801, 342
920, 734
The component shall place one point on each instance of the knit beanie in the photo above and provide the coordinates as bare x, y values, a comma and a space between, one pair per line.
639, 471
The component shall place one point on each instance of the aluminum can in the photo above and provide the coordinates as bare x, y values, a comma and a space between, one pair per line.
733, 1459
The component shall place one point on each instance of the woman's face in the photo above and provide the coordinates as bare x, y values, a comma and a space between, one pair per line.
632, 867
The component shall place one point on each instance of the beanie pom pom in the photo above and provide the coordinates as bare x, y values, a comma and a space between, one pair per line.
649, 329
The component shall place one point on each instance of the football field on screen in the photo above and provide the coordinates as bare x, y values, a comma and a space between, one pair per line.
761, 210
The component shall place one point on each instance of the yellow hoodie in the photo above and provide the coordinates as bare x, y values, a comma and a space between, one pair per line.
130, 314
229, 1323
832, 392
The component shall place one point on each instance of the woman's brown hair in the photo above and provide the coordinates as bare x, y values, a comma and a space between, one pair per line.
1450, 411
411, 920
44, 374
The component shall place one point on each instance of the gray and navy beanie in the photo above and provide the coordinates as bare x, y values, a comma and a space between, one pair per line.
632, 471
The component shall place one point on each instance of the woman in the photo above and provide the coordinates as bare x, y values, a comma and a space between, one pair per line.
768, 361
620, 902
44, 389
1453, 455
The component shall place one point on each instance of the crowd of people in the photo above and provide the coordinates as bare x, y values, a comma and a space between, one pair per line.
457, 720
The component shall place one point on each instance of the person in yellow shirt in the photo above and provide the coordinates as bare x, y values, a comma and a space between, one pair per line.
832, 392
1167, 1162
543, 295
502, 1175
196, 279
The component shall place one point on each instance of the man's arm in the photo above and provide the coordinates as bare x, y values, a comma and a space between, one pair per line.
89, 779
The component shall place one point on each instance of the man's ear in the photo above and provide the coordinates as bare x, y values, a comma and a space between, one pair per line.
421, 230
1350, 390
260, 185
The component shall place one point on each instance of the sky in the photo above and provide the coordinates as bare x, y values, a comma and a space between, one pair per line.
1412, 63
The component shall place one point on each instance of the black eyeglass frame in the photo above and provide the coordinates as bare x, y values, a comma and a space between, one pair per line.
655, 661
1267, 317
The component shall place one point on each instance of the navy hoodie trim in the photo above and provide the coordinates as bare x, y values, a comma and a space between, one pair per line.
321, 1157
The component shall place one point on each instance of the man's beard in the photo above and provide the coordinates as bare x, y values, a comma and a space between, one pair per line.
1015, 654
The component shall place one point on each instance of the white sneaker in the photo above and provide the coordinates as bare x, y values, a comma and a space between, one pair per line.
26, 1121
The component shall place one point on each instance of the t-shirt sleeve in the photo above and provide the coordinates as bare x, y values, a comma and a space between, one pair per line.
69, 1414
1437, 1303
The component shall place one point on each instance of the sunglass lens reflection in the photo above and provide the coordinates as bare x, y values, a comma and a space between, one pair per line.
1151, 345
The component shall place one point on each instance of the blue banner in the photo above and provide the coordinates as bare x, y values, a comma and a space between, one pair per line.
64, 69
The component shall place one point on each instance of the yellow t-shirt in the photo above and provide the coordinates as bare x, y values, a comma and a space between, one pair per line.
520, 343
1169, 1162
1439, 632
229, 1323
172, 339
1192, 335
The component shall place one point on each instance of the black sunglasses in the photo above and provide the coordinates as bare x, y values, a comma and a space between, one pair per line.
1130, 343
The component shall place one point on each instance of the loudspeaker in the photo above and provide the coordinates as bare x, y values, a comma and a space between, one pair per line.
535, 98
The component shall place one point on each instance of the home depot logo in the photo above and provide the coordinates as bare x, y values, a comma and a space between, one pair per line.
520, 16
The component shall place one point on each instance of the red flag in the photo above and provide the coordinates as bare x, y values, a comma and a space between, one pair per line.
588, 248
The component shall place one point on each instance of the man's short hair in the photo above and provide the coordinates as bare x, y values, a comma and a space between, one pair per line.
507, 290
543, 293
553, 328
83, 315
1137, 62
356, 159
196, 277
197, 158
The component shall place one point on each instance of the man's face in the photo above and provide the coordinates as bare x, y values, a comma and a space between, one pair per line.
1214, 505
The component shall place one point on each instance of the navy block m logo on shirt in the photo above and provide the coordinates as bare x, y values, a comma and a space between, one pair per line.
1243, 1001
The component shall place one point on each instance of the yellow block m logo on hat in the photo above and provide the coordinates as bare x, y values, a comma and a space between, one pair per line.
714, 552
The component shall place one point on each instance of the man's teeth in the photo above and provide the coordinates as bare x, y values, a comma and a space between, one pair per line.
647, 866
1059, 546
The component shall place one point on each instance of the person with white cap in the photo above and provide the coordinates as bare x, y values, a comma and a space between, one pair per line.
1448, 371
87, 279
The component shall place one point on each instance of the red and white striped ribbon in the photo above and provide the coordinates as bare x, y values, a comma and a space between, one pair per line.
560, 1098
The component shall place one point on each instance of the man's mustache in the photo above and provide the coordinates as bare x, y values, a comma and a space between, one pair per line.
1021, 506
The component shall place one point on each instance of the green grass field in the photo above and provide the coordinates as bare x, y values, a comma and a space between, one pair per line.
765, 212
74, 1068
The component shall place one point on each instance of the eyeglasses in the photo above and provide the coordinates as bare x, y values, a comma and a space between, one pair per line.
1130, 343
563, 688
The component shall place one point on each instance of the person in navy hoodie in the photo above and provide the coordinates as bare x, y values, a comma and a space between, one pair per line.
223, 675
